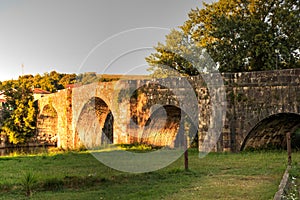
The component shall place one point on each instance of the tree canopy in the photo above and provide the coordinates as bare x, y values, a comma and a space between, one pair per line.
50, 82
20, 121
239, 35
179, 56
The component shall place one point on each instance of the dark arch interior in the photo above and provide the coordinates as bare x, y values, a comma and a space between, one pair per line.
271, 132
47, 125
166, 127
108, 129
95, 124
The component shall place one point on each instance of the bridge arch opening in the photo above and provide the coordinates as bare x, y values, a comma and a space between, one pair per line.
95, 124
271, 132
144, 97
170, 126
47, 125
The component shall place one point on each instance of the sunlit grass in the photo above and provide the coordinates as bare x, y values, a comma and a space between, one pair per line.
78, 175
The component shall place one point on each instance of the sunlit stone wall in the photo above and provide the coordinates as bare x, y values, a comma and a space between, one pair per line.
250, 98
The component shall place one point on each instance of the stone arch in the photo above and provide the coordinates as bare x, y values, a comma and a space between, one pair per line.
271, 132
47, 125
144, 97
166, 127
95, 124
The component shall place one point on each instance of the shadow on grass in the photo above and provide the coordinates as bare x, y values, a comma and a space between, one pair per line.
71, 182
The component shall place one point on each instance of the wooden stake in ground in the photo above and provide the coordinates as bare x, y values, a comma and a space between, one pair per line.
289, 147
186, 159
186, 154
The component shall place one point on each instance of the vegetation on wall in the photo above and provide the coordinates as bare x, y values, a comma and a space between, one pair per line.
92, 77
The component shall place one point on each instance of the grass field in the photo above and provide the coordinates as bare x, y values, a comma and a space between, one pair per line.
78, 175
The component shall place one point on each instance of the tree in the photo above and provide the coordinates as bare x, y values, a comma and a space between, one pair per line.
179, 56
67, 79
244, 35
19, 125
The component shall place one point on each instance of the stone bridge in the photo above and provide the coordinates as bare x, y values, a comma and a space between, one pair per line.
227, 112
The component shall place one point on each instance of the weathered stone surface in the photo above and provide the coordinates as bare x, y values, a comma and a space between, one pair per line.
125, 107
60, 114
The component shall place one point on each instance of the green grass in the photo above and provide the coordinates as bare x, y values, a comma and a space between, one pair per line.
292, 191
78, 175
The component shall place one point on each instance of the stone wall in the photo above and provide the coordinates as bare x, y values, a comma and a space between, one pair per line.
253, 97
130, 107
56, 109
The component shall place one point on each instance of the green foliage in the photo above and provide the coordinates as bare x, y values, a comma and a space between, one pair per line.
239, 35
291, 191
179, 56
51, 82
253, 36
19, 125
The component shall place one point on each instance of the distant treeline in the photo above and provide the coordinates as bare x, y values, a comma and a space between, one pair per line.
55, 81
51, 82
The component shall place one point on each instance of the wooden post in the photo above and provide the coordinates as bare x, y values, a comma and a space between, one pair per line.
186, 156
289, 147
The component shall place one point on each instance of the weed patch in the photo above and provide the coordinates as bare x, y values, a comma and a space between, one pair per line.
28, 182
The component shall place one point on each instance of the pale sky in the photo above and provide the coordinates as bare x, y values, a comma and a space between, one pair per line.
60, 35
